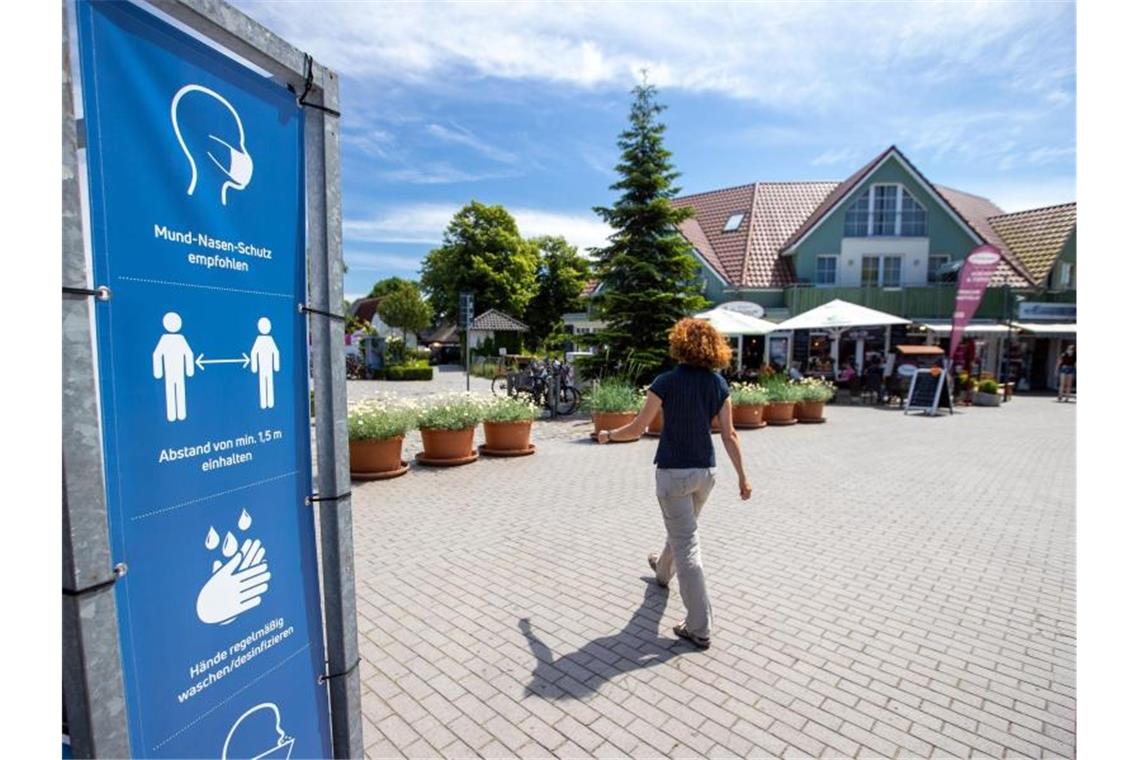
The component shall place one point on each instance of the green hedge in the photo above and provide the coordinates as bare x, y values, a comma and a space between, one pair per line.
408, 373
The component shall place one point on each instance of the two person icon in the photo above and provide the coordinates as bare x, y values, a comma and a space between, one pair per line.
173, 362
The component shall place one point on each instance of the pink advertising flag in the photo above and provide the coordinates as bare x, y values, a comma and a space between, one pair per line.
972, 282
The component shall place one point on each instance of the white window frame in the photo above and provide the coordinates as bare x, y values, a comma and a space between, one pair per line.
881, 271
835, 270
1066, 274
898, 209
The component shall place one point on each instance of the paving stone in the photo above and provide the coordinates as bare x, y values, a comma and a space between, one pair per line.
852, 617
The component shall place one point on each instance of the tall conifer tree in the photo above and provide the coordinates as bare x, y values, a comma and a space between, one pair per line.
647, 273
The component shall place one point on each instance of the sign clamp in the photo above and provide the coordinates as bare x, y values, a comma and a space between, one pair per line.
102, 293
330, 676
309, 86
303, 309
311, 500
117, 572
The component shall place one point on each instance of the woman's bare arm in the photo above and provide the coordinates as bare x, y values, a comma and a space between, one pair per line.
634, 430
732, 445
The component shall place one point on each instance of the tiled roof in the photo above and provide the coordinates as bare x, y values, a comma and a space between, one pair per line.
364, 309
749, 256
443, 334
493, 319
778, 214
781, 208
979, 211
589, 288
1037, 236
705, 230
841, 189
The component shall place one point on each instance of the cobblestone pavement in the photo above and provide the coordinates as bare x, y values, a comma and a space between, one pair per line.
898, 586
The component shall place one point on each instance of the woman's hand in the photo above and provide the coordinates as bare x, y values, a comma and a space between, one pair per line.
745, 489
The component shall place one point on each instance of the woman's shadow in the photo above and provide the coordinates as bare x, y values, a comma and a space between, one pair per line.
635, 646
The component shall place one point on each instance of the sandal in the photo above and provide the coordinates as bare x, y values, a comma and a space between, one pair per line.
683, 633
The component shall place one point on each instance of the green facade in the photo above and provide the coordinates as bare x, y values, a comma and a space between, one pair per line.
944, 230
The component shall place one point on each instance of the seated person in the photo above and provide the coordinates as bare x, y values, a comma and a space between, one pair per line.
846, 374
794, 372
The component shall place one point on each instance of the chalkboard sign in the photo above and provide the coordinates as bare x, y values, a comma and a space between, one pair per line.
928, 392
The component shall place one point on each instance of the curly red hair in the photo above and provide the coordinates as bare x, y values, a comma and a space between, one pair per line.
697, 343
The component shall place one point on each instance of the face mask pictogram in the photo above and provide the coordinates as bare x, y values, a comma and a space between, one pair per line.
207, 126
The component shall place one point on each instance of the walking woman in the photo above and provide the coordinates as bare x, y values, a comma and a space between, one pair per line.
1066, 373
691, 394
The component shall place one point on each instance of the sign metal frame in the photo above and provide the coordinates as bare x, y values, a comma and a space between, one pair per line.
92, 669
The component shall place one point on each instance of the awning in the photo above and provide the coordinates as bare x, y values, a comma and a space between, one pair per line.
728, 322
944, 328
840, 315
1048, 329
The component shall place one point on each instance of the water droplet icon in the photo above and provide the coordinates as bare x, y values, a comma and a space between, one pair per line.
217, 565
245, 520
230, 546
212, 539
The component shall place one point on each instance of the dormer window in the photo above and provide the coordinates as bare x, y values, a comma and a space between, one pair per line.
885, 210
733, 223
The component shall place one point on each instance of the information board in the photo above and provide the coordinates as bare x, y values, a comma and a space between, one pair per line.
928, 392
195, 182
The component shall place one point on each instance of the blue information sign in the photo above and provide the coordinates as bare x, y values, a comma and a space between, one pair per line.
196, 178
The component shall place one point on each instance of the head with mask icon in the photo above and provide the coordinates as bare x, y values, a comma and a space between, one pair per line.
212, 137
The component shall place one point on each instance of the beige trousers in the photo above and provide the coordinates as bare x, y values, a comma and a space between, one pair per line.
681, 494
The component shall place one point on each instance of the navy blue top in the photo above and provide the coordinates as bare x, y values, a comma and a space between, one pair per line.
691, 397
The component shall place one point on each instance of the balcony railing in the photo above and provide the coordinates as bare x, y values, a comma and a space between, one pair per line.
924, 302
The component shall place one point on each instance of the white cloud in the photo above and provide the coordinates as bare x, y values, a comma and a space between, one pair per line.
461, 136
426, 222
802, 55
838, 156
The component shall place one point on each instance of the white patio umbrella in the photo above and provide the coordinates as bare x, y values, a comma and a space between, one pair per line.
837, 317
734, 324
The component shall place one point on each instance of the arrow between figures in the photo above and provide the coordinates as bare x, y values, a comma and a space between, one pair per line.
243, 361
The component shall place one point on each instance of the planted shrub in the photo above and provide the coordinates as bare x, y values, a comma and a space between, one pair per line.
510, 410
614, 396
988, 386
815, 389
379, 419
748, 394
454, 411
781, 390
408, 373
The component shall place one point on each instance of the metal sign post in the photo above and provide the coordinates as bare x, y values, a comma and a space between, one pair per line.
203, 416
466, 318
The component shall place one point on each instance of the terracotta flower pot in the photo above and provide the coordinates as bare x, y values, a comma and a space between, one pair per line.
809, 411
507, 436
368, 457
611, 420
658, 424
448, 444
780, 412
748, 416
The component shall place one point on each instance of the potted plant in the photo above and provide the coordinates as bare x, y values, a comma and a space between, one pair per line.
506, 427
447, 426
987, 394
966, 386
814, 393
748, 402
782, 397
376, 429
613, 404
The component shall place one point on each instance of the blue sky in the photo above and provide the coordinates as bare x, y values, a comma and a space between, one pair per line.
521, 103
